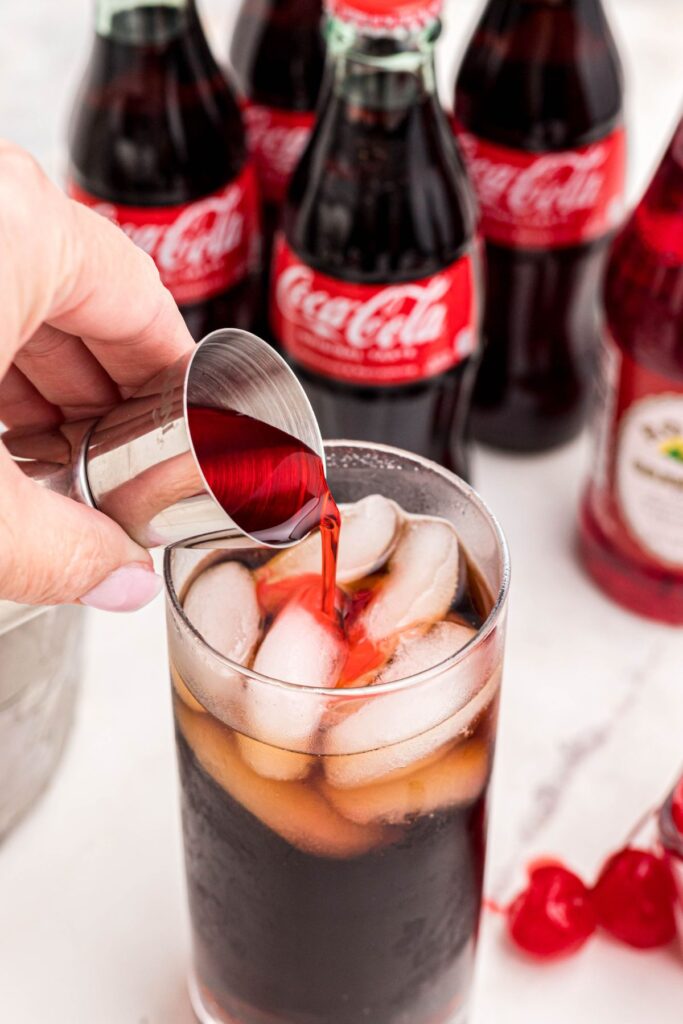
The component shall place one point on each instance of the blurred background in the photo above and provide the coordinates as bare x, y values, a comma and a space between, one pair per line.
44, 45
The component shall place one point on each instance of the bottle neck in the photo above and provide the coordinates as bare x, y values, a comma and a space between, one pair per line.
139, 21
659, 216
644, 280
381, 72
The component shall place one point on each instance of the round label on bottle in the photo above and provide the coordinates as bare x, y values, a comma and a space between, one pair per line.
649, 475
546, 200
276, 139
373, 334
200, 248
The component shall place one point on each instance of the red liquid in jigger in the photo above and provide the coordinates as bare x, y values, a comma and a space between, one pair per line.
270, 483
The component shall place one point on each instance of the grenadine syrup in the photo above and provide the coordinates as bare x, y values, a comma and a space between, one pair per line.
631, 532
270, 483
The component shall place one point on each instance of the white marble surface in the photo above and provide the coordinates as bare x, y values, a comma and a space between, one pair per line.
92, 919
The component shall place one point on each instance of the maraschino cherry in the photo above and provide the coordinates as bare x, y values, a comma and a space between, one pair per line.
634, 899
554, 915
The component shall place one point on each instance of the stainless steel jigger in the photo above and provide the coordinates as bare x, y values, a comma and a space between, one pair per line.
137, 463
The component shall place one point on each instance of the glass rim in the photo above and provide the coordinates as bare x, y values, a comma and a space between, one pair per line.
377, 689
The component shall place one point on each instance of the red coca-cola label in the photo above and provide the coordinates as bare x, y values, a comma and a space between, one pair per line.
201, 248
546, 200
640, 454
276, 138
373, 334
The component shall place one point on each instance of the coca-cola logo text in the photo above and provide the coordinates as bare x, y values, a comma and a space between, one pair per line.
406, 314
547, 199
201, 248
277, 144
553, 186
373, 334
204, 233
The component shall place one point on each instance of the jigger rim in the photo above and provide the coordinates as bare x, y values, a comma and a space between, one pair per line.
487, 628
225, 335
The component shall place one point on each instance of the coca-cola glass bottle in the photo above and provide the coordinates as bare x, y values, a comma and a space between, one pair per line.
278, 55
538, 111
632, 519
157, 145
375, 272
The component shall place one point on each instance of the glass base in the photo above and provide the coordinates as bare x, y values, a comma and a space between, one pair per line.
204, 1013
207, 1011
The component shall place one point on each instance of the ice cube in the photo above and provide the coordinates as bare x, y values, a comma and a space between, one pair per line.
393, 731
181, 688
300, 647
222, 606
458, 777
272, 762
392, 762
391, 717
419, 651
422, 580
296, 811
369, 532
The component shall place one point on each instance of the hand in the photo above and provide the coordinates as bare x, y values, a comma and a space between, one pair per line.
86, 321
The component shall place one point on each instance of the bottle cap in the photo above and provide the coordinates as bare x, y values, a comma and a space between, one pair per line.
385, 14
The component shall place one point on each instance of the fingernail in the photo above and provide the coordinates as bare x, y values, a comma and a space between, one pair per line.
124, 590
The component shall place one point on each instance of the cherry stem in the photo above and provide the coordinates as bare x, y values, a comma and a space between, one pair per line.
500, 908
648, 816
639, 826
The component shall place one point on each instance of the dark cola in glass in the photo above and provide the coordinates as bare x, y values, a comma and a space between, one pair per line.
335, 755
157, 145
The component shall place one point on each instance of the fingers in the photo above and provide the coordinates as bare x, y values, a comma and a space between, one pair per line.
21, 405
56, 551
31, 232
65, 264
66, 374
132, 325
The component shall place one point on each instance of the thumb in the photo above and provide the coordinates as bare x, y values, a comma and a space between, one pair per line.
55, 551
